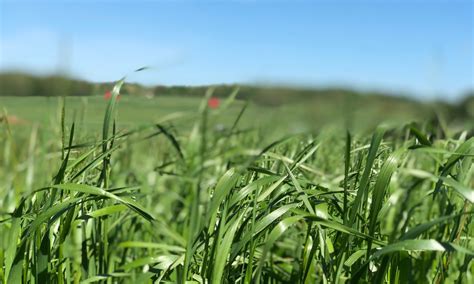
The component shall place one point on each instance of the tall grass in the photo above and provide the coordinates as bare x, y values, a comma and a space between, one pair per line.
155, 204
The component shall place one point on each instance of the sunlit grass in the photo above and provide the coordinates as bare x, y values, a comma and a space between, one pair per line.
159, 204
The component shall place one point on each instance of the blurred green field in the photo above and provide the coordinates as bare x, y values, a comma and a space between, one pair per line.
87, 113
291, 117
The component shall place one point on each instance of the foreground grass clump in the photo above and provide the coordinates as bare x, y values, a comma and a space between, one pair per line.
215, 206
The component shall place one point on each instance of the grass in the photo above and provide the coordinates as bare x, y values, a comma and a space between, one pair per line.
181, 201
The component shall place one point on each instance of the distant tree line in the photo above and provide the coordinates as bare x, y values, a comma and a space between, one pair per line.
21, 84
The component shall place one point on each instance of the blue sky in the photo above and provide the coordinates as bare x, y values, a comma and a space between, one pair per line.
420, 47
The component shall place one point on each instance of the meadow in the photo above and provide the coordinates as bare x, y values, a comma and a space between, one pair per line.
167, 190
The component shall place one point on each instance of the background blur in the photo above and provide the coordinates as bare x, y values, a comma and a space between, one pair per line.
304, 58
422, 48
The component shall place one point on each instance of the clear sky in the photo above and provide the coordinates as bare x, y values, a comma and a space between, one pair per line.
420, 47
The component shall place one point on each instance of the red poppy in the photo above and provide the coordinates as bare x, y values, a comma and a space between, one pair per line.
213, 103
108, 95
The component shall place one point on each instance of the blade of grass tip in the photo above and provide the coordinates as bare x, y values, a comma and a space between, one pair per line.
4, 119
104, 176
62, 170
174, 264
248, 270
172, 139
30, 169
422, 138
142, 68
271, 188
42, 256
300, 154
223, 188
354, 257
148, 245
194, 134
364, 181
420, 229
14, 234
230, 99
92, 164
419, 245
310, 149
66, 225
262, 171
464, 149
339, 275
239, 116
88, 189
260, 226
203, 107
54, 211
16, 271
461, 151
408, 246
381, 185
304, 196
193, 229
439, 151
63, 114
442, 124
104, 211
109, 112
310, 250
464, 191
234, 125
274, 235
250, 188
343, 229
451, 247
66, 222
224, 249
252, 159
101, 278
347, 164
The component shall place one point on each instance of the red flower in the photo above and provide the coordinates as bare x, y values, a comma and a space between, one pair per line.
213, 102
108, 96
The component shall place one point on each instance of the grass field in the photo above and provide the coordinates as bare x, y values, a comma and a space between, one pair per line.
176, 192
